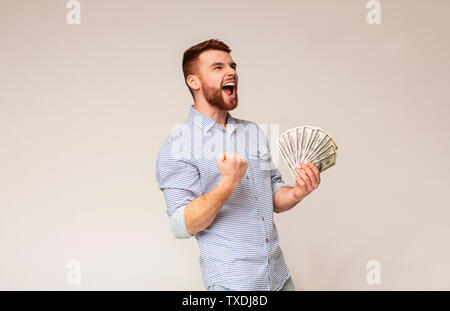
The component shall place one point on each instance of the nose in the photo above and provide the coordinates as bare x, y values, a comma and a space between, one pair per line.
231, 71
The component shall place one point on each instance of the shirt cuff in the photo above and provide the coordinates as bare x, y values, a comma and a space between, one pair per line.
178, 225
277, 186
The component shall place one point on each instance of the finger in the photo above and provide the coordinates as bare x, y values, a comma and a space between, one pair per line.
298, 169
310, 174
316, 171
221, 156
241, 160
230, 155
300, 182
245, 164
306, 180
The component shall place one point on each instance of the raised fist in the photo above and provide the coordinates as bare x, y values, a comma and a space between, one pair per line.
232, 167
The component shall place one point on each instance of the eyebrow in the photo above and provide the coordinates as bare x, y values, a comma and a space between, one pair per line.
233, 64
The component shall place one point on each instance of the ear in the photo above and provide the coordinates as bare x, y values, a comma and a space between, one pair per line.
193, 82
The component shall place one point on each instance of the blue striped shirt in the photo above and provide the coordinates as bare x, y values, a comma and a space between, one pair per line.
240, 248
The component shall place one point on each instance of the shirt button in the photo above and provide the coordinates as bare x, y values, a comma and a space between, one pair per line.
267, 240
256, 198
268, 261
262, 218
247, 177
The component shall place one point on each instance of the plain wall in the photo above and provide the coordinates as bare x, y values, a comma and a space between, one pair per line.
85, 108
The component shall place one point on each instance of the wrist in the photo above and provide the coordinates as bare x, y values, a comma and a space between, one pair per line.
295, 198
227, 184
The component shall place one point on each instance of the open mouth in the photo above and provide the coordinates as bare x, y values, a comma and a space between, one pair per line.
229, 89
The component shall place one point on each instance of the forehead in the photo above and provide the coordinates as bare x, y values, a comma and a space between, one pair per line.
210, 57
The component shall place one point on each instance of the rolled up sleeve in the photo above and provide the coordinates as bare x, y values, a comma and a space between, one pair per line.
277, 182
178, 225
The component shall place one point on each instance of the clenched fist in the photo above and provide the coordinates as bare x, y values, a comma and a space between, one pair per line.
232, 167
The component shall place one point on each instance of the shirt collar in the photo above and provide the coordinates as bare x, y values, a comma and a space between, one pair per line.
205, 123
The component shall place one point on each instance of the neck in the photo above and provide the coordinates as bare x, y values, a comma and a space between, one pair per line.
211, 112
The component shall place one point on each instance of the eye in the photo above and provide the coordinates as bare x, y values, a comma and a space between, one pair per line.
217, 67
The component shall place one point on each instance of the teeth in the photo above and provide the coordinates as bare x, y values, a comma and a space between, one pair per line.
229, 84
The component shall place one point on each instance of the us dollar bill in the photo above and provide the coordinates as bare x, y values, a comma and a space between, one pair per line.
325, 163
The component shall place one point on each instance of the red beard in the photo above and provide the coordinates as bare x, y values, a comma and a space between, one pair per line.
215, 98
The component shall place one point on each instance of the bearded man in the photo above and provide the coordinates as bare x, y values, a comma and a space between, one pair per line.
220, 185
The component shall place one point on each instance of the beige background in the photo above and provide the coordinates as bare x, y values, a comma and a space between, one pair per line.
85, 108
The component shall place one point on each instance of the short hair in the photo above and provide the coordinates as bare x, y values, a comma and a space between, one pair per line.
191, 55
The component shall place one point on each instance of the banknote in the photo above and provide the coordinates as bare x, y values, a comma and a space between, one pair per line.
307, 143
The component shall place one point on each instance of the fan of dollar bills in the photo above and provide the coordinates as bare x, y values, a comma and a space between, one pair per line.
307, 143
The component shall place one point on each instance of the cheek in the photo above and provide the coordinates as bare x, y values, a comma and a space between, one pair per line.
215, 80
213, 84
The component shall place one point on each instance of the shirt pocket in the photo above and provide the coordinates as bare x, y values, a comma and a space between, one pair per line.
260, 161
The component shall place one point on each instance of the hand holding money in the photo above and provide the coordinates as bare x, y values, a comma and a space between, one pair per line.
307, 180
307, 151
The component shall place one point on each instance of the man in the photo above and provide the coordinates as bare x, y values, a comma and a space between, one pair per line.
219, 182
